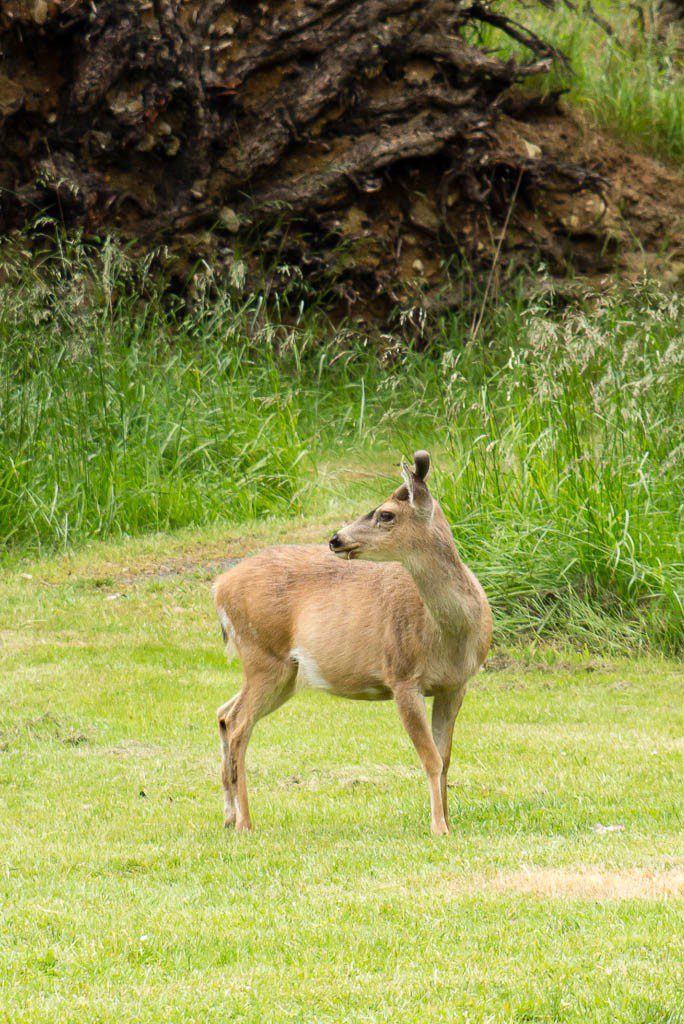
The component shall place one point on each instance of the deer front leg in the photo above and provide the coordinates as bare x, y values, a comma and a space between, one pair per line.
411, 706
445, 708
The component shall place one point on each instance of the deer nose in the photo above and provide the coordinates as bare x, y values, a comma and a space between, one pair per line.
335, 542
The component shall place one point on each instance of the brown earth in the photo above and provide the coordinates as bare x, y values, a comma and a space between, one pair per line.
643, 218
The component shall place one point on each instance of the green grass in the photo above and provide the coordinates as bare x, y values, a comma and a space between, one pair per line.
556, 434
629, 82
111, 422
124, 900
565, 459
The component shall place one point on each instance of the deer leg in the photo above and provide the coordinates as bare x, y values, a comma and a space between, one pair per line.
411, 706
228, 793
264, 690
445, 708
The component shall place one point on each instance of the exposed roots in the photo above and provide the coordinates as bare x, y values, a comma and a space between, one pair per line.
366, 142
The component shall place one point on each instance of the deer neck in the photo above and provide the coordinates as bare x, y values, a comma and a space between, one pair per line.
444, 584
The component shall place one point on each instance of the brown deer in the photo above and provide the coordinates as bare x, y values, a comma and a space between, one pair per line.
415, 625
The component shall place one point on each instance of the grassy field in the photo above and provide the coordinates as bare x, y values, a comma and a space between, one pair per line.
124, 900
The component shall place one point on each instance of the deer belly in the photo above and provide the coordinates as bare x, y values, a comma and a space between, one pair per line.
338, 679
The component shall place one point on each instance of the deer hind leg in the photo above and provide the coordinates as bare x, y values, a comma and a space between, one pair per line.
268, 684
229, 809
445, 708
411, 706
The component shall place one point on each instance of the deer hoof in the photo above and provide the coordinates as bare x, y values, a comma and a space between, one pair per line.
440, 828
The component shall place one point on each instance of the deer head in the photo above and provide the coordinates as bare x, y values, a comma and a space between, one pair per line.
399, 526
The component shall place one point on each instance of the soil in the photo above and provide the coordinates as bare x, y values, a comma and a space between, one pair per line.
641, 227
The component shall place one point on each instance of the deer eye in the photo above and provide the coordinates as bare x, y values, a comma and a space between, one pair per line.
386, 517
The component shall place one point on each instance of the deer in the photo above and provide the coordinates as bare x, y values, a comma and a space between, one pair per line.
386, 611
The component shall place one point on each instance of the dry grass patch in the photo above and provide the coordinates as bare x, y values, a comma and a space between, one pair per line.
592, 883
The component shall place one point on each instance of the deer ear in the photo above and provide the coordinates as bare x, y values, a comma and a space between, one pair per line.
421, 464
407, 475
417, 492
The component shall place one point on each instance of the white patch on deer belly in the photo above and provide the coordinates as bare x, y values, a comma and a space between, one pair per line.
309, 672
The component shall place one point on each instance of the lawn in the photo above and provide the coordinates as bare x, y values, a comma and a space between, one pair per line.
557, 896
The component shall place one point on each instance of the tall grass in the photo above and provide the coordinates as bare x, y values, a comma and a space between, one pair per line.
558, 433
631, 82
565, 469
119, 417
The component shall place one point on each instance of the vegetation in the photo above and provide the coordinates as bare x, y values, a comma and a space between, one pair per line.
557, 434
626, 62
124, 899
143, 441
566, 465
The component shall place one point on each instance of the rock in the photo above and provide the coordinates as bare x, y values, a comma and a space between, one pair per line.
40, 12
424, 215
418, 72
12, 96
229, 219
534, 152
355, 222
